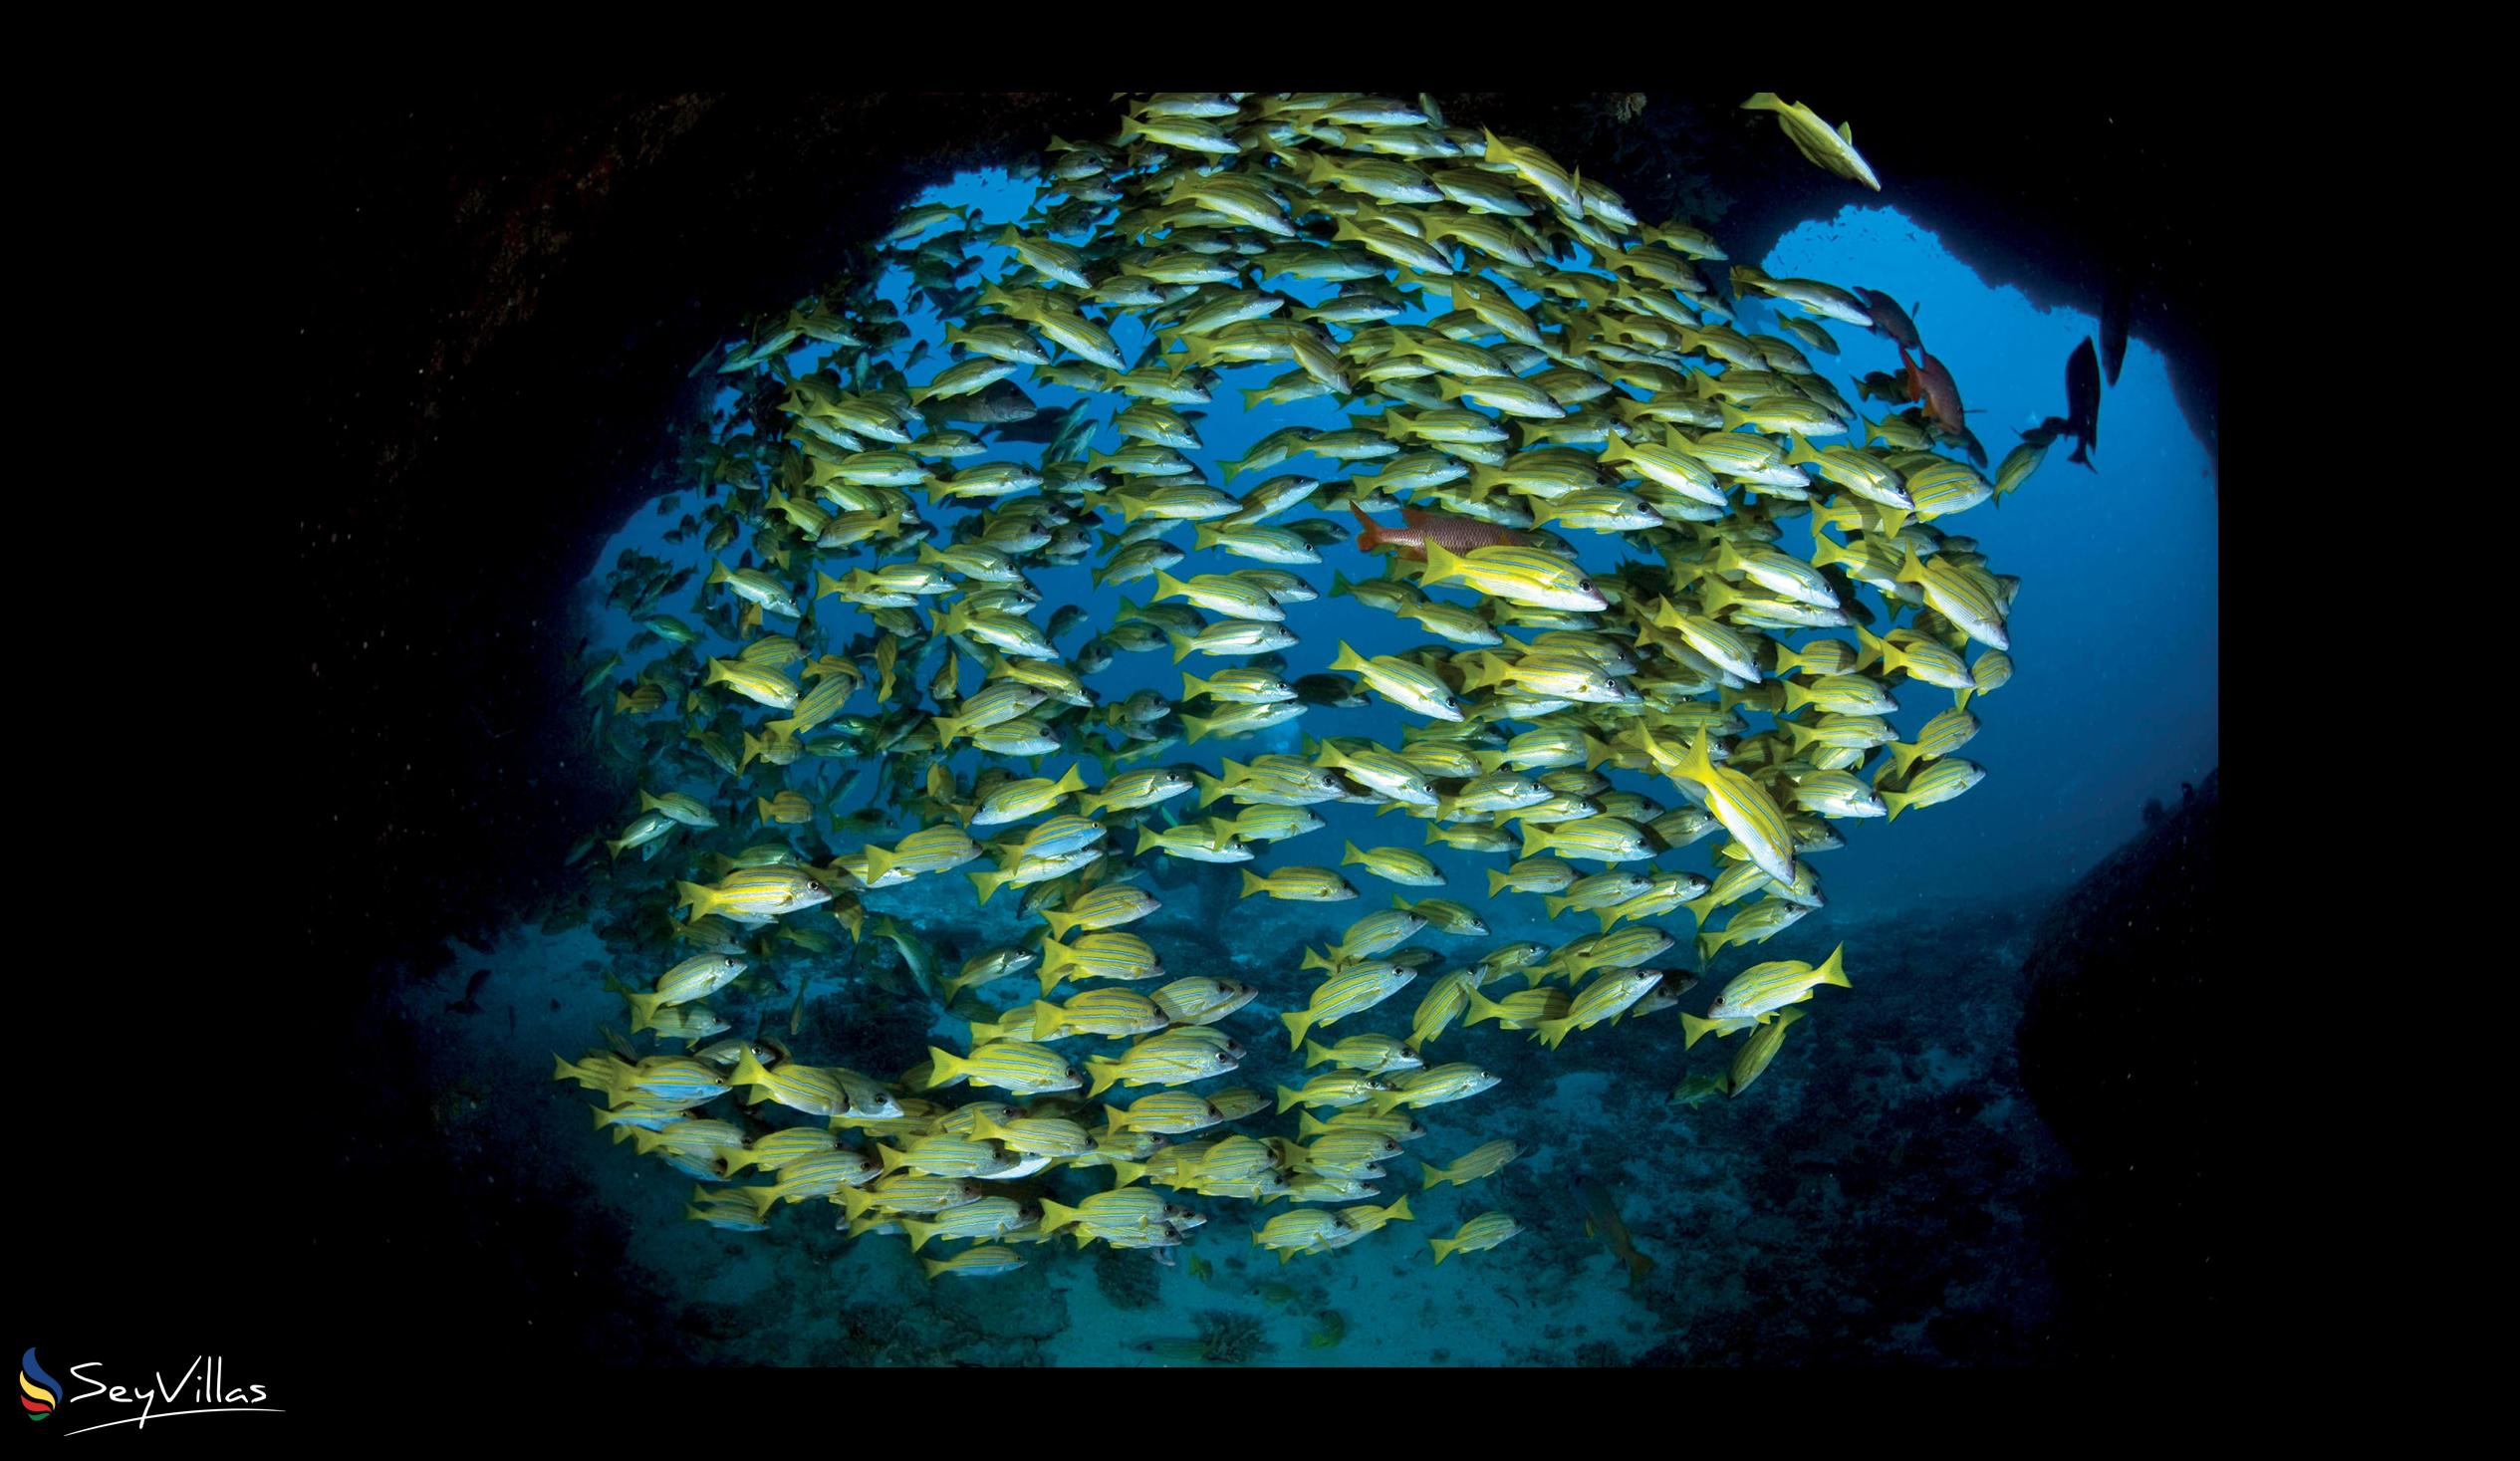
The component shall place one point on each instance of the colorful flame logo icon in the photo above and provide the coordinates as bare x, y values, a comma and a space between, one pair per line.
38, 1391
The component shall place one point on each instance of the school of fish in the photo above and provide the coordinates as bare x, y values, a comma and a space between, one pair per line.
866, 692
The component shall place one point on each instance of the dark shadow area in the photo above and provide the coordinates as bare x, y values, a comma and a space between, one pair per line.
2142, 1266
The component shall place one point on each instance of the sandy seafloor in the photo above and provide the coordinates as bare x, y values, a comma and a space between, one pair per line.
1872, 1198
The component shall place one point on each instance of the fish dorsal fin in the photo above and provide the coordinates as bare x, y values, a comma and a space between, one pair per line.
1846, 130
1417, 516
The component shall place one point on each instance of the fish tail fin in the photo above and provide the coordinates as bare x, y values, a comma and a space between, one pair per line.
1252, 882
1369, 537
1834, 969
1298, 1021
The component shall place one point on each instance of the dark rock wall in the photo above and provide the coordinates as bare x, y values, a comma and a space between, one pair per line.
2114, 1029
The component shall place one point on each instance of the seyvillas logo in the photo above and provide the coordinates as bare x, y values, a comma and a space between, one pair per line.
38, 1392
202, 1389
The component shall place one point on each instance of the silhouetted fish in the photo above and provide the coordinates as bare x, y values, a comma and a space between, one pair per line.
2082, 401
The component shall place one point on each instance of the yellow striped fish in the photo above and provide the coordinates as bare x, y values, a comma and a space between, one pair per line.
1763, 988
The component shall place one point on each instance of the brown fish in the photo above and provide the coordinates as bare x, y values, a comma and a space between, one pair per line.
1889, 318
1458, 535
1601, 1220
1929, 383
1002, 404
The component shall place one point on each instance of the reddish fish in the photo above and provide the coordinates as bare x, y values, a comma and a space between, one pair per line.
1458, 535
1929, 383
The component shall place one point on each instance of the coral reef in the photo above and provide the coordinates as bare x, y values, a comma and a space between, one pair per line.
1227, 1338
1129, 1278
